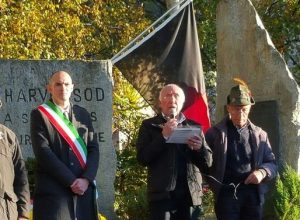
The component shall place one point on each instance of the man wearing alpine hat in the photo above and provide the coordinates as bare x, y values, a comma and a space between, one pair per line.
243, 161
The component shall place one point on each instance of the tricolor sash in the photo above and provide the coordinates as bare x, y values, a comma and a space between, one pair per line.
66, 129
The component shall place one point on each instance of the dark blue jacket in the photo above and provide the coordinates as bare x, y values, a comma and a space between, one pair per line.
216, 138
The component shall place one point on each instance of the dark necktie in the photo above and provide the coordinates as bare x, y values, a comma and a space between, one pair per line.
66, 114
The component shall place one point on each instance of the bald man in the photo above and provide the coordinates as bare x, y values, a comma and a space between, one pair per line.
174, 170
67, 155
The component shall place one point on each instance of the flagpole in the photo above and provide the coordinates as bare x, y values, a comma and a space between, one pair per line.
144, 36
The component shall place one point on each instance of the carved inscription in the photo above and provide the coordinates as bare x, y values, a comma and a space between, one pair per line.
23, 100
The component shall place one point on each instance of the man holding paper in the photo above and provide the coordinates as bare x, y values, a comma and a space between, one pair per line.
67, 156
174, 178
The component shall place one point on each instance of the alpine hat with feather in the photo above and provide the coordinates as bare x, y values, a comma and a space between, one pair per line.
240, 94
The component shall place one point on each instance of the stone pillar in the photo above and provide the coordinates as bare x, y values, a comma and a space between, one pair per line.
245, 50
22, 88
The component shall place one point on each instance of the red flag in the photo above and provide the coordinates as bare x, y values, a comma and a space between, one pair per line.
169, 54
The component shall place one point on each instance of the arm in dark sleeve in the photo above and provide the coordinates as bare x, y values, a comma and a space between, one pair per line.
202, 158
92, 161
150, 143
268, 160
46, 158
21, 186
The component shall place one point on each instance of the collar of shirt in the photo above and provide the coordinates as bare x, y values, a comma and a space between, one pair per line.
63, 110
238, 129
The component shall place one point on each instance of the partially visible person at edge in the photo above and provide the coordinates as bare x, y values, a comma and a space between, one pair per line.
67, 155
174, 182
243, 161
14, 187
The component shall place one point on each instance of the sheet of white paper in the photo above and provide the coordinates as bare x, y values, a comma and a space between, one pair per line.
180, 135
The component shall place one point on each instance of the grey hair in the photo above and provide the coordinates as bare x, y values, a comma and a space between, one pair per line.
181, 92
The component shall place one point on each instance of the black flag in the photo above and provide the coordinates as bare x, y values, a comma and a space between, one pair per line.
170, 53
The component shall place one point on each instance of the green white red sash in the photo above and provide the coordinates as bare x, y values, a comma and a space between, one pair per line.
66, 129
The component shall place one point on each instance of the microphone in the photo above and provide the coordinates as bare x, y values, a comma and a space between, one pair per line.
172, 114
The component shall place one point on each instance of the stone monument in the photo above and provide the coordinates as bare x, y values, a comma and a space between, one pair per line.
245, 50
22, 88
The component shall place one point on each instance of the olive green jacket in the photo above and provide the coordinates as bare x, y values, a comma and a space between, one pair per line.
14, 185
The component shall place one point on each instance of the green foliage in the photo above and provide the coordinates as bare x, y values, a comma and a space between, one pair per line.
208, 201
81, 29
130, 186
287, 195
128, 110
130, 174
205, 12
132, 204
281, 19
130, 181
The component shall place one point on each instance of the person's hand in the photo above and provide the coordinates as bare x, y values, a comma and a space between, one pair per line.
194, 142
79, 186
168, 127
255, 177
